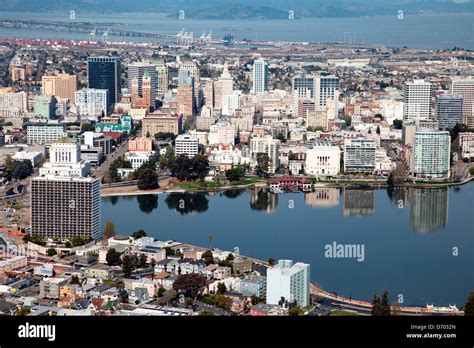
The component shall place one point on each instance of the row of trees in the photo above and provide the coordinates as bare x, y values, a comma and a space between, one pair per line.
189, 169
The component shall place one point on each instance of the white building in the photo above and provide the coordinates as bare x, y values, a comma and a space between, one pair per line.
230, 103
137, 158
222, 133
290, 281
359, 155
466, 145
44, 133
186, 144
431, 154
269, 146
65, 160
260, 76
323, 158
326, 87
465, 88
92, 102
417, 100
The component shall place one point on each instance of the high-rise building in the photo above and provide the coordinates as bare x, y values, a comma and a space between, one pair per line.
223, 86
417, 100
326, 87
359, 155
465, 88
448, 111
161, 79
431, 153
185, 99
61, 85
303, 86
92, 102
142, 92
288, 282
105, 73
141, 71
266, 144
260, 76
45, 106
65, 207
186, 144
192, 70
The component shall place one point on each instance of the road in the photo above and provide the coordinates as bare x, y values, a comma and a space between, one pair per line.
103, 170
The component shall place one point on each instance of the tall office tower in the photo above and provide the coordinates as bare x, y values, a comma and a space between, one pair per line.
45, 106
65, 207
303, 86
192, 69
326, 87
449, 110
431, 153
260, 76
359, 155
92, 102
139, 70
142, 94
417, 100
268, 145
105, 73
223, 86
230, 103
161, 79
207, 86
465, 88
61, 85
185, 100
290, 282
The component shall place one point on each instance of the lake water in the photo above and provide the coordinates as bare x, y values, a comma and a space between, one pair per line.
417, 242
414, 31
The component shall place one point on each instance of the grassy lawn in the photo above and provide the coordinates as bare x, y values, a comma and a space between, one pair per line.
196, 186
248, 181
338, 312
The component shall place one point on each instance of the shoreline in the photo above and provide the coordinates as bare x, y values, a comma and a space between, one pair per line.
122, 191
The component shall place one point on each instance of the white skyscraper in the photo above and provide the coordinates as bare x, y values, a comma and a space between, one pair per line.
290, 282
431, 157
326, 87
417, 100
465, 88
268, 145
260, 76
92, 102
186, 144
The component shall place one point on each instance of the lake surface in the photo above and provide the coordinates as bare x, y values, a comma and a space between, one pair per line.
417, 242
415, 31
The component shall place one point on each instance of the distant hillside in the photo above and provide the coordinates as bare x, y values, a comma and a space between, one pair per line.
245, 9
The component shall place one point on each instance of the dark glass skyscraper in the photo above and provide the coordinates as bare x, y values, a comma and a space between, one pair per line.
105, 73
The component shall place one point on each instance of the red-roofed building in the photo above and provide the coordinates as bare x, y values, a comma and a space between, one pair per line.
289, 182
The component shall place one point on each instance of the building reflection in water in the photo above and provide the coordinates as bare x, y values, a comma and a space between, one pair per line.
428, 209
262, 199
322, 197
358, 202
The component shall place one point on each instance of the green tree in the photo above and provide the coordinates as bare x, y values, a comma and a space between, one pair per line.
385, 305
192, 284
378, 130
295, 311
221, 288
75, 280
208, 257
206, 313
138, 234
112, 257
127, 266
188, 169
21, 169
51, 252
142, 263
263, 163
235, 174
469, 306
397, 124
148, 180
223, 301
